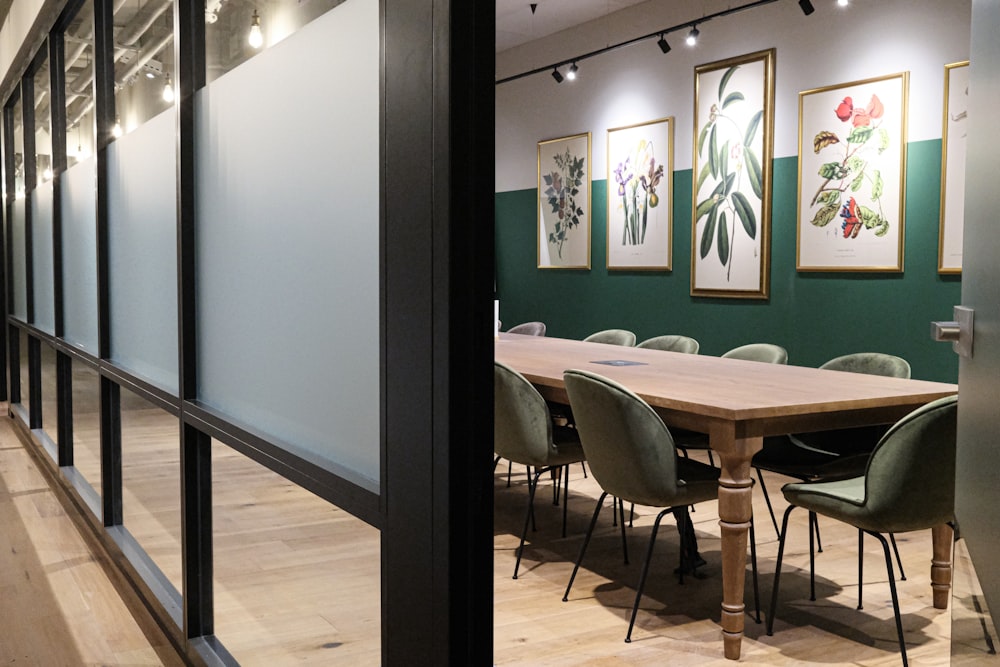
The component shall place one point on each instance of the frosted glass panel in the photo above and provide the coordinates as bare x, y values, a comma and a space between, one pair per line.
79, 254
19, 268
41, 252
288, 245
142, 218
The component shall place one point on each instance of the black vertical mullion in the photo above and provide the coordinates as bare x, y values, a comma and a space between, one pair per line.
7, 121
57, 119
29, 162
196, 447
104, 116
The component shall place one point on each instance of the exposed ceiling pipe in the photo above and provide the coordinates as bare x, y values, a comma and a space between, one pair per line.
141, 22
147, 54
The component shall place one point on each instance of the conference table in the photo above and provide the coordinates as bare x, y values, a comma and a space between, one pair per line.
736, 403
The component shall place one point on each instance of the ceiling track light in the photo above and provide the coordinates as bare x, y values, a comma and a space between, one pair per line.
662, 43
571, 73
557, 75
255, 38
843, 3
692, 37
807, 7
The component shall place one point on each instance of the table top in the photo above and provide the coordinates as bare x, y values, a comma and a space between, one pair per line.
692, 390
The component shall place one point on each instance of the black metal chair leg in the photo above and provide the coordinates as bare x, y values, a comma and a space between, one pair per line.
510, 467
899, 561
631, 515
767, 500
621, 510
753, 570
819, 542
895, 598
777, 571
812, 558
583, 464
586, 541
529, 515
861, 564
565, 498
645, 570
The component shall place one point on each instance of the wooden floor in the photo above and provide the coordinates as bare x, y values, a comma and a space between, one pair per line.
60, 608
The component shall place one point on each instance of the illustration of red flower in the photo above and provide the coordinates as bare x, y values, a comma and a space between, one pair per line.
860, 117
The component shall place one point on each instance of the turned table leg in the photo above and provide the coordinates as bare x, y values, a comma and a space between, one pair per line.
942, 539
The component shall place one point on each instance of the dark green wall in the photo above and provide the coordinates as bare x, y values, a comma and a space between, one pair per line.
815, 316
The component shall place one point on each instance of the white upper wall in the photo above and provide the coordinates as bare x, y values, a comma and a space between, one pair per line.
638, 83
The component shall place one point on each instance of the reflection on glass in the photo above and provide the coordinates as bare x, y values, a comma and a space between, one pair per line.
87, 424
23, 370
79, 40
43, 129
151, 482
50, 412
18, 150
237, 30
279, 553
144, 58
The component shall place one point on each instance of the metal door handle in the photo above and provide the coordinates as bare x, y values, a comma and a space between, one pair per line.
957, 332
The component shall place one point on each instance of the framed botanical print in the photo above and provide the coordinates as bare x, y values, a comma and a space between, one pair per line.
640, 195
564, 203
953, 141
852, 175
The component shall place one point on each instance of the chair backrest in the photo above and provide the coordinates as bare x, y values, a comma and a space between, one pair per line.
671, 343
910, 480
628, 448
870, 363
529, 329
522, 426
612, 337
766, 352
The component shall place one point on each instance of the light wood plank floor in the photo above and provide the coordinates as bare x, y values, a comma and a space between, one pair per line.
60, 608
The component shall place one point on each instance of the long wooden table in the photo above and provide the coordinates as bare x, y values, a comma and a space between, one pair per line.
736, 403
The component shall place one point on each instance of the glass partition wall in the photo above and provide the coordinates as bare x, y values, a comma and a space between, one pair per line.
170, 284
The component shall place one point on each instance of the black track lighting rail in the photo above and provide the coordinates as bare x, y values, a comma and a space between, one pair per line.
554, 67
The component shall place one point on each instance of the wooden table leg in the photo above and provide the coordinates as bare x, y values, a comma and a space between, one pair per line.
735, 508
943, 539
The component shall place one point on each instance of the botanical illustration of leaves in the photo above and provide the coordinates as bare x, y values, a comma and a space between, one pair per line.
859, 135
725, 79
708, 232
702, 176
547, 178
858, 181
753, 171
825, 215
873, 220
701, 137
854, 163
745, 214
830, 197
883, 139
713, 151
730, 180
824, 139
724, 159
752, 128
704, 208
723, 246
732, 97
878, 185
833, 170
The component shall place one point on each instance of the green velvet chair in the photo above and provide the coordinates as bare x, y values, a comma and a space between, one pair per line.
671, 343
765, 352
612, 337
908, 484
528, 329
632, 456
523, 432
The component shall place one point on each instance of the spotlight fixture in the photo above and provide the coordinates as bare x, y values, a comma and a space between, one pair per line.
571, 73
843, 3
47, 174
662, 43
807, 7
168, 89
116, 131
255, 38
557, 75
692, 37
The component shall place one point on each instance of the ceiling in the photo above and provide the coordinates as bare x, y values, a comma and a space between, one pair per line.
516, 24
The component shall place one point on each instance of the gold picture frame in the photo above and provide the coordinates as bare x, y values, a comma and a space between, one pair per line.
564, 202
852, 176
731, 203
953, 150
640, 196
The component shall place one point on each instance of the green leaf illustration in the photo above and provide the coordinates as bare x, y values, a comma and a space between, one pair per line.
877, 185
873, 220
724, 159
725, 79
858, 181
701, 137
833, 170
708, 232
854, 163
830, 197
731, 98
825, 215
704, 208
745, 213
730, 180
702, 176
752, 128
883, 140
754, 172
713, 153
859, 135
723, 246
